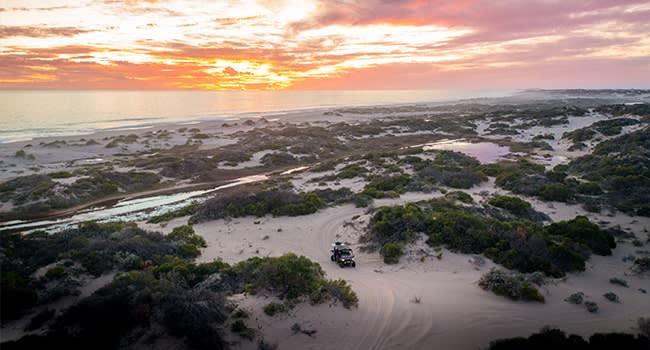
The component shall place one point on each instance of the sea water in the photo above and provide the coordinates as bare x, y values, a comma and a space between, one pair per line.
25, 115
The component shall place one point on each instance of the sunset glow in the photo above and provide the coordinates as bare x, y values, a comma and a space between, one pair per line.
266, 44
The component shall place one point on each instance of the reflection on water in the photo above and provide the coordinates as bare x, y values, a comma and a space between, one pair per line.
484, 152
129, 210
29, 114
294, 170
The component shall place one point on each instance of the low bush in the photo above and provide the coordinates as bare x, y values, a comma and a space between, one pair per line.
591, 306
128, 310
274, 308
187, 241
352, 171
380, 185
396, 224
60, 175
288, 276
459, 196
642, 264
549, 338
514, 205
278, 159
611, 296
276, 202
582, 231
239, 327
97, 248
618, 281
391, 253
512, 285
517, 244
576, 298
55, 272
340, 290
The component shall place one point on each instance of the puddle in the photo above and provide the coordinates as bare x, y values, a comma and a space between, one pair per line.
294, 170
128, 210
90, 161
484, 152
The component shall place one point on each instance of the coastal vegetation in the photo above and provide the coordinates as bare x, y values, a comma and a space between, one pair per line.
383, 143
276, 201
555, 338
157, 287
515, 286
163, 296
615, 175
522, 245
39, 193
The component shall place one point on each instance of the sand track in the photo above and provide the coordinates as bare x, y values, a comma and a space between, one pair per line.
453, 313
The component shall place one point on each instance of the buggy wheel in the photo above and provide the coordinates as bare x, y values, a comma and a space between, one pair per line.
342, 265
354, 264
332, 257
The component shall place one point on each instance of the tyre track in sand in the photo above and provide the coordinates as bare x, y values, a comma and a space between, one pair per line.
381, 324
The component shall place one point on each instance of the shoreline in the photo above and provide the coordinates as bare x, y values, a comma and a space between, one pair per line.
231, 115
302, 114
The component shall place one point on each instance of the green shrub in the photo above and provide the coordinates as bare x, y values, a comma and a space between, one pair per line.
556, 192
514, 286
581, 230
290, 277
576, 298
60, 175
276, 202
186, 234
274, 308
589, 188
352, 171
611, 297
391, 252
459, 196
549, 338
397, 223
521, 245
340, 290
361, 200
191, 273
239, 327
278, 159
642, 264
514, 205
378, 187
55, 272
619, 281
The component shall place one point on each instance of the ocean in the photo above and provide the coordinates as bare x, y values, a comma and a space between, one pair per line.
25, 115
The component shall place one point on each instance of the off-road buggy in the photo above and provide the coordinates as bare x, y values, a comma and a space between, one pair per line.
342, 255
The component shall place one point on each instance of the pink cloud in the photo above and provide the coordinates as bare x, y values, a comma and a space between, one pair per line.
560, 74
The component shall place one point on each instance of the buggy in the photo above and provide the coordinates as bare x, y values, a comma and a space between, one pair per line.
342, 255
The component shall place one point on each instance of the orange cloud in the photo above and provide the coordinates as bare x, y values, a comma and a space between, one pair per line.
39, 31
321, 44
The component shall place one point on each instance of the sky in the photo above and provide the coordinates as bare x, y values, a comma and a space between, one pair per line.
320, 44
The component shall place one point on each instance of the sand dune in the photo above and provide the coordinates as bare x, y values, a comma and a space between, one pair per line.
454, 313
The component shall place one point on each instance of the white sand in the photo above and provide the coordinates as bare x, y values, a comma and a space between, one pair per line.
454, 312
